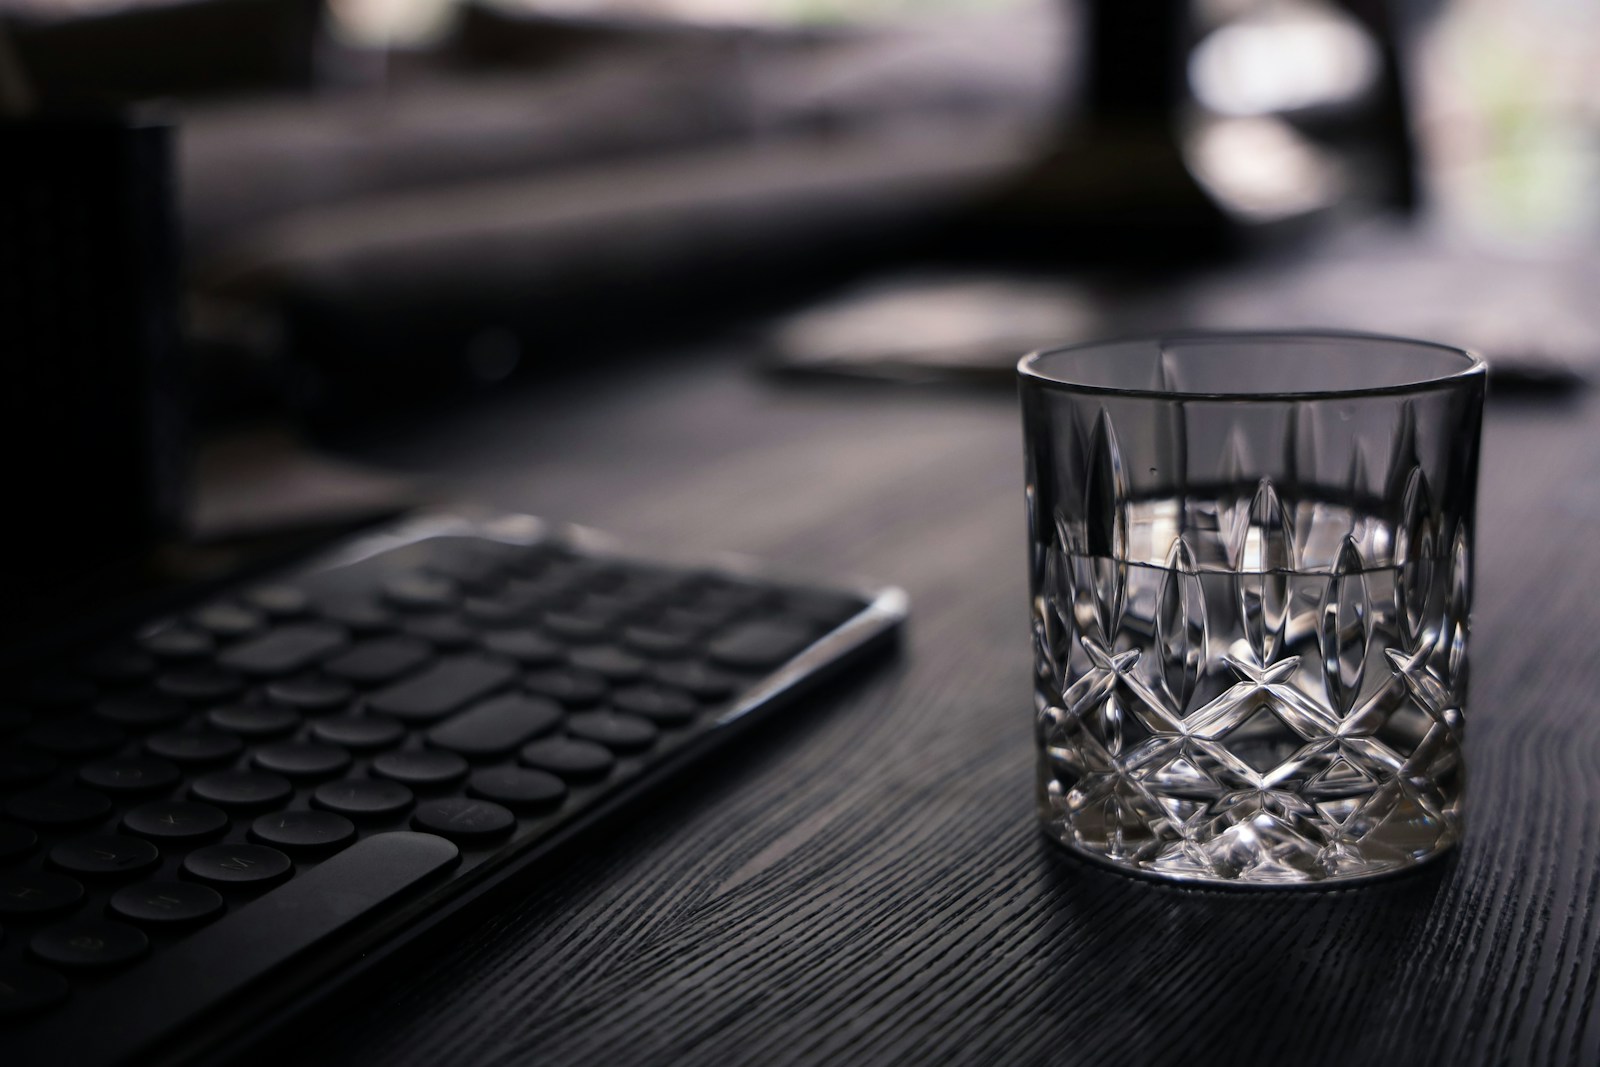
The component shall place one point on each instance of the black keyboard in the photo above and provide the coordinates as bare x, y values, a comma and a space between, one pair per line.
209, 820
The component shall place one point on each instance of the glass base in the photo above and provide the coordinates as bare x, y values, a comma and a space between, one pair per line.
1250, 854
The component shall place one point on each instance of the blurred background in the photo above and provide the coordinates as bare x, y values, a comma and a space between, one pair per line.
347, 214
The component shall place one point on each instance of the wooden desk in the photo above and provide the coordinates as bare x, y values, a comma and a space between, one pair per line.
868, 885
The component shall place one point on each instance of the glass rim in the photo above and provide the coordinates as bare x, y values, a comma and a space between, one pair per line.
1474, 367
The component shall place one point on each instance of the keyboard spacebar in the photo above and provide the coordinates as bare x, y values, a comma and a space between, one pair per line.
198, 973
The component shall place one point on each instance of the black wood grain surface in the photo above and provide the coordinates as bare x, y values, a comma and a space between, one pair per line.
866, 884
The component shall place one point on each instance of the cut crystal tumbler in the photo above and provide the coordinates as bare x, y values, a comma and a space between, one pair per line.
1251, 577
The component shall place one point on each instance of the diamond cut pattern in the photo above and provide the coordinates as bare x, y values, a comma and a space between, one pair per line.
1252, 700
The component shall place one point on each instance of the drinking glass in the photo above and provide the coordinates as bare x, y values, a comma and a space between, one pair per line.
1251, 583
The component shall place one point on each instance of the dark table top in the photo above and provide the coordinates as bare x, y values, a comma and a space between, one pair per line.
865, 883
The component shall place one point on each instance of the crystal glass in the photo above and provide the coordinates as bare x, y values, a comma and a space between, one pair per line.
1251, 577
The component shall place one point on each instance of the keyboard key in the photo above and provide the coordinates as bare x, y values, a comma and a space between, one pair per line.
619, 733
20, 767
85, 944
364, 798
304, 831
589, 574
568, 758
421, 592
25, 989
177, 643
608, 661
15, 841
311, 695
442, 688
303, 759
105, 855
119, 665
256, 866
578, 629
698, 621
279, 601
57, 806
28, 893
731, 599
200, 683
495, 727
759, 645
442, 631
175, 820
194, 747
649, 589
129, 774
285, 649
359, 613
518, 788
379, 659
79, 735
462, 820
228, 621
569, 686
421, 768
551, 593
657, 641
166, 903
659, 704
701, 681
524, 646
360, 733
242, 790
253, 720
612, 607
471, 570
141, 711
500, 610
